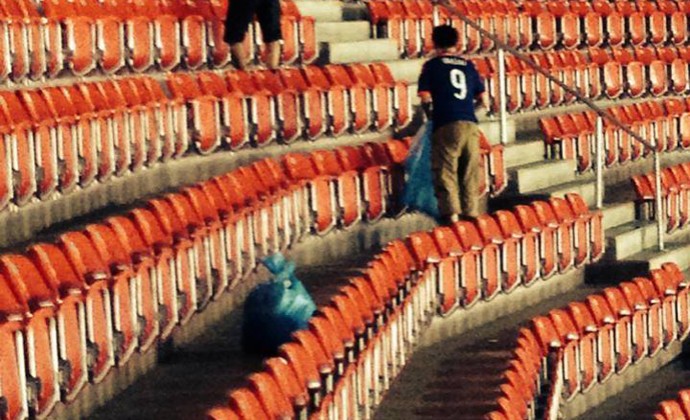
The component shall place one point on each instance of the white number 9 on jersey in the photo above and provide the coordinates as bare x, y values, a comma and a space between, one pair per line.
459, 82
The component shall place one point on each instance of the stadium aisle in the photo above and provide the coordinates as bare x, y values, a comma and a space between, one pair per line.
449, 378
641, 400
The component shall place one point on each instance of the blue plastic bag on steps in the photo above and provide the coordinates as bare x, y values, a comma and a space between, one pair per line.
419, 186
276, 309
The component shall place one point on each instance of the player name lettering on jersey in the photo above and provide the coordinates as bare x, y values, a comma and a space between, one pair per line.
455, 61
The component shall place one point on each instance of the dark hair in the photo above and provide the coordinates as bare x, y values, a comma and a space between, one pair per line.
445, 36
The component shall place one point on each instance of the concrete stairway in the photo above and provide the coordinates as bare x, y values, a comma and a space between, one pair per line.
208, 361
457, 376
641, 400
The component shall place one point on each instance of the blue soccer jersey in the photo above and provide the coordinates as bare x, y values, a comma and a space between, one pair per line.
453, 84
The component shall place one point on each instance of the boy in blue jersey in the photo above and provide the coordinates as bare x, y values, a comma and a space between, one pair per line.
451, 89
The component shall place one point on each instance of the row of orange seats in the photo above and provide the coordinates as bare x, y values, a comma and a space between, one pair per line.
595, 338
594, 74
542, 25
675, 409
75, 308
573, 135
675, 190
57, 139
357, 343
236, 108
112, 36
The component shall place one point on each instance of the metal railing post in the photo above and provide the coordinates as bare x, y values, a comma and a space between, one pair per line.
502, 101
658, 196
599, 164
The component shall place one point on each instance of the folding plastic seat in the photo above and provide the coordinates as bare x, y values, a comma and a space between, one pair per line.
591, 356
640, 327
13, 373
203, 112
358, 97
635, 76
594, 221
313, 102
655, 314
490, 270
246, 405
671, 195
166, 269
44, 140
80, 33
234, 114
402, 105
547, 238
615, 324
58, 269
679, 31
5, 51
269, 395
678, 76
336, 99
319, 357
529, 245
385, 24
666, 289
45, 357
670, 409
109, 97
192, 271
658, 78
546, 35
258, 100
567, 333
222, 413
563, 233
284, 375
676, 281
167, 41
380, 95
347, 186
578, 226
593, 29
85, 253
286, 105
375, 180
679, 179
139, 35
19, 141
322, 196
509, 247
193, 37
637, 28
463, 287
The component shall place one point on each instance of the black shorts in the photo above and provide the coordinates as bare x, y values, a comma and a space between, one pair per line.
241, 13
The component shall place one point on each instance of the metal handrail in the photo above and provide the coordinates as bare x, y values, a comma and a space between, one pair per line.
602, 114
523, 57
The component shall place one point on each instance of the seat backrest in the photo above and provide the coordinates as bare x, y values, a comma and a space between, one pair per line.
273, 400
247, 405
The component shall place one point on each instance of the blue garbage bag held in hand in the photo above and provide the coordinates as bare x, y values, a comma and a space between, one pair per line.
419, 191
276, 309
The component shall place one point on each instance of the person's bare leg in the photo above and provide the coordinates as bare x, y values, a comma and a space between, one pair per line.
273, 57
239, 56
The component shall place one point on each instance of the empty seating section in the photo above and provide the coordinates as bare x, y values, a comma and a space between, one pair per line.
48, 38
543, 25
593, 339
358, 342
76, 308
675, 185
573, 135
678, 408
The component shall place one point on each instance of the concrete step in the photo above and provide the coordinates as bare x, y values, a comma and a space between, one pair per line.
629, 239
584, 187
407, 70
342, 31
361, 51
618, 214
540, 175
332, 11
678, 253
523, 153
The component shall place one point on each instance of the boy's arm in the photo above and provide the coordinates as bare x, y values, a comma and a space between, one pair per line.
424, 91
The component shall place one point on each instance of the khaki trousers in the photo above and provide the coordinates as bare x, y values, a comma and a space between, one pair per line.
455, 158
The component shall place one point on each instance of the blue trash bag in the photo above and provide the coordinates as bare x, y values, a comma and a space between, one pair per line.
419, 186
276, 309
